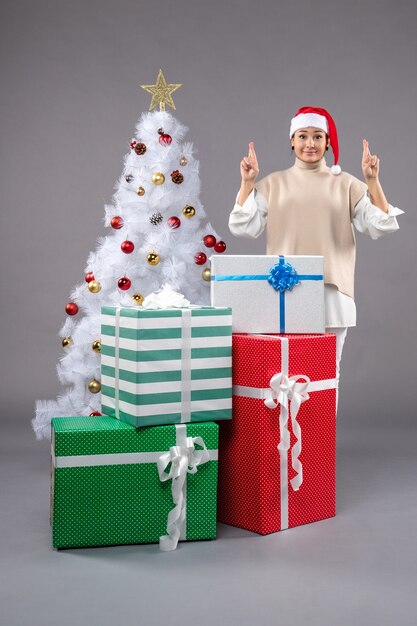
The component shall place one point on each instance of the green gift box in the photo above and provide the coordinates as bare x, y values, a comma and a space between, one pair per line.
113, 484
166, 366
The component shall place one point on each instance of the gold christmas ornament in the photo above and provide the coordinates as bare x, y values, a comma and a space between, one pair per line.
140, 191
153, 258
188, 211
94, 386
158, 178
206, 274
183, 160
94, 286
96, 345
161, 92
67, 342
138, 298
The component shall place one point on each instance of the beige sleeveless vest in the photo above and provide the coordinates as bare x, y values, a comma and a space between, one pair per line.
310, 211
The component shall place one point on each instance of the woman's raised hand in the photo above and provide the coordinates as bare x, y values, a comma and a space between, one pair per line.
370, 163
249, 169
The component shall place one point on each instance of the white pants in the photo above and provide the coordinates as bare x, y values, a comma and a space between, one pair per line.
340, 340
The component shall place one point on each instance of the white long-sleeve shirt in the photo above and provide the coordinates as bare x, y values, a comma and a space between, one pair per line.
250, 220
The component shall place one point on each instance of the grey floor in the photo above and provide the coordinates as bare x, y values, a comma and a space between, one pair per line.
358, 568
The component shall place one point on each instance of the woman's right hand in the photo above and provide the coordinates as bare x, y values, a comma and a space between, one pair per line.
249, 168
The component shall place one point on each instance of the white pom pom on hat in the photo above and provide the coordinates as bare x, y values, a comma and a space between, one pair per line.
318, 118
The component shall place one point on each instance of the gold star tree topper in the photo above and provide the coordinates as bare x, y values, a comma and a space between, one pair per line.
161, 92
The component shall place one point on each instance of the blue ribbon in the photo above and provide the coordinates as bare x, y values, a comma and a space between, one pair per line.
282, 277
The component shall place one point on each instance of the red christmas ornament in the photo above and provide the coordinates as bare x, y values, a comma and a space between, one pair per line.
95, 414
116, 222
209, 241
124, 283
174, 221
220, 247
71, 308
89, 277
200, 258
127, 247
133, 143
165, 140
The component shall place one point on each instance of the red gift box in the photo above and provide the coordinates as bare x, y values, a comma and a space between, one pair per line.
277, 457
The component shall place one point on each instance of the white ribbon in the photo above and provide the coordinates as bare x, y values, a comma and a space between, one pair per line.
283, 392
182, 459
186, 366
287, 393
165, 298
116, 363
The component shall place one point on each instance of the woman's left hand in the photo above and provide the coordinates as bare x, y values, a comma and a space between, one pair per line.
370, 163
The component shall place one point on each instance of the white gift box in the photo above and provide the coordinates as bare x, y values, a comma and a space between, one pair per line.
270, 294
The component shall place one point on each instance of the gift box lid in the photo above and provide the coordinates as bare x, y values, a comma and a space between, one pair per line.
75, 436
140, 313
258, 357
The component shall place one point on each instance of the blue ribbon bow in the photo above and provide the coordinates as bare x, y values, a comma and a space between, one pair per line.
283, 276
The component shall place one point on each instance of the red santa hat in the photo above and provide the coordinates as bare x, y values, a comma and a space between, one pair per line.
318, 118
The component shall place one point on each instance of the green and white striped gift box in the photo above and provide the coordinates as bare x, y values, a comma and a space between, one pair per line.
166, 366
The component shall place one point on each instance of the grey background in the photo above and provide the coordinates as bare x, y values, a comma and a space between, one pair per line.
69, 104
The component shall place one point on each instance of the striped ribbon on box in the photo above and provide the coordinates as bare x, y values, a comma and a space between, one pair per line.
166, 366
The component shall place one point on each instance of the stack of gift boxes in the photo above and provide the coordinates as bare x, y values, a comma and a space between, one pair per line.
153, 467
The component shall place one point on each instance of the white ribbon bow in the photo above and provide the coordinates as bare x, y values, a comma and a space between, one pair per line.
165, 298
182, 461
289, 394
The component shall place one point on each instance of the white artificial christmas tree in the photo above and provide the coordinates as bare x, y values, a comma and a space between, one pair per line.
158, 235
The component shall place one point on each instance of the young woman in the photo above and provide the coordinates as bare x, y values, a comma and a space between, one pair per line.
311, 208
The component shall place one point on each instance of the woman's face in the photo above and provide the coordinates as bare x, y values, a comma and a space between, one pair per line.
309, 144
